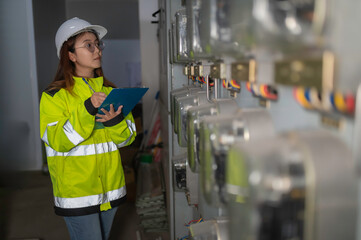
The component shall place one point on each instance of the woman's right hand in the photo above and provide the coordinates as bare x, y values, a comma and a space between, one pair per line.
97, 99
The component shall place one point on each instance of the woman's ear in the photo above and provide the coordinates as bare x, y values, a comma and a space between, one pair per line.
72, 56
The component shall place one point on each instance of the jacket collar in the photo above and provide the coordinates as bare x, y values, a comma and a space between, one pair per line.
95, 83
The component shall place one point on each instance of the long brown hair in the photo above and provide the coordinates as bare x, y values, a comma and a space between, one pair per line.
66, 69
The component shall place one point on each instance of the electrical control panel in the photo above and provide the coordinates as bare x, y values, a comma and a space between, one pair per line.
267, 119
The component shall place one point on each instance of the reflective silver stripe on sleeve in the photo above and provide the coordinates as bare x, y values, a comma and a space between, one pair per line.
84, 150
72, 135
45, 136
92, 200
132, 129
132, 126
69, 131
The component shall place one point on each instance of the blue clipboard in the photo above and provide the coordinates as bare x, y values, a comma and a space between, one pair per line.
128, 97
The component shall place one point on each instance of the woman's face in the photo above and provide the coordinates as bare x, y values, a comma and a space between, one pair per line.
84, 58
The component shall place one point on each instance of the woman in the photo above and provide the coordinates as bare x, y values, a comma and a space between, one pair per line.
81, 144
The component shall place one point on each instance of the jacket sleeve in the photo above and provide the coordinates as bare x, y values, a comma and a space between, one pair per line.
61, 129
124, 132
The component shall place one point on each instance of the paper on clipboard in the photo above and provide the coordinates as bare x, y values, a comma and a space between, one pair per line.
128, 97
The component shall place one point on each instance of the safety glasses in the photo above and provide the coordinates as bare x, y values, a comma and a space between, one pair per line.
92, 45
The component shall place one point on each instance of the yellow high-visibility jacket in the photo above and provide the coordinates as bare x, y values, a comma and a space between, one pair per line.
83, 157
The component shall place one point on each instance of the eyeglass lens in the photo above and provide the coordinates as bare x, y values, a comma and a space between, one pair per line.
91, 46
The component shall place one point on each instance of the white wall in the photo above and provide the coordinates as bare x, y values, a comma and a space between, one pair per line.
149, 52
19, 124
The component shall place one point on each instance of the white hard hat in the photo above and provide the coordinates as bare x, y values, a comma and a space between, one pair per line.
73, 27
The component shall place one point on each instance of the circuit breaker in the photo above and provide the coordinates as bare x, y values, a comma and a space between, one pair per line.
267, 118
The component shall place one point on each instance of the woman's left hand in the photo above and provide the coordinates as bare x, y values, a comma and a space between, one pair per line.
108, 115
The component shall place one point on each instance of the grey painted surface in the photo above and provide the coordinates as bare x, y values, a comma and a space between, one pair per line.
121, 62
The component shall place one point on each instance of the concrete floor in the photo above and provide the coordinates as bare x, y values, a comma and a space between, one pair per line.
30, 215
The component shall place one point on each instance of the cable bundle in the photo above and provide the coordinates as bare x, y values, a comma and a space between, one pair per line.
231, 85
311, 98
262, 90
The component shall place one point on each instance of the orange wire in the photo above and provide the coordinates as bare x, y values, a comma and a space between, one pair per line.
300, 92
235, 84
248, 86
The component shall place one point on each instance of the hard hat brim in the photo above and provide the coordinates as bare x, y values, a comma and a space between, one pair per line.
100, 30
